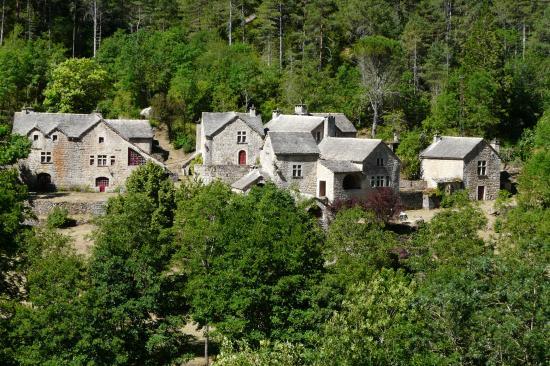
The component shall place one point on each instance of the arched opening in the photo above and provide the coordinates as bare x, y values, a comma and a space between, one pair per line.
242, 157
102, 183
352, 181
44, 182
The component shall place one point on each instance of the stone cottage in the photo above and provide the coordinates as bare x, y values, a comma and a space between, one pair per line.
452, 163
83, 151
316, 154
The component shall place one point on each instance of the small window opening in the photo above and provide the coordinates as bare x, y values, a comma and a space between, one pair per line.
45, 157
297, 171
102, 160
101, 140
241, 137
482, 167
54, 137
92, 160
112, 160
35, 137
379, 162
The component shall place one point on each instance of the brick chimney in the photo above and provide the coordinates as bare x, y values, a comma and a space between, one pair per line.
300, 109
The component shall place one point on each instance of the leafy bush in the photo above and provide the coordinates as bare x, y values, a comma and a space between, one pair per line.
456, 199
384, 202
185, 142
58, 218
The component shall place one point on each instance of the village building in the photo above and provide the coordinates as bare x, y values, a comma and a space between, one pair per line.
82, 151
452, 163
315, 154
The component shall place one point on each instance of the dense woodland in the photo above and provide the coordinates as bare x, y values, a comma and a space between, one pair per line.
402, 66
257, 270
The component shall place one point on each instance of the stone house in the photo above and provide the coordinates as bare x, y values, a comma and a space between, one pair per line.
452, 163
316, 154
83, 151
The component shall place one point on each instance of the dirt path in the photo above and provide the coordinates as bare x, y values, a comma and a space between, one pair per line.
175, 157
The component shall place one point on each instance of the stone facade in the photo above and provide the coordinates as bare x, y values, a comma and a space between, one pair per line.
225, 148
100, 154
226, 173
490, 181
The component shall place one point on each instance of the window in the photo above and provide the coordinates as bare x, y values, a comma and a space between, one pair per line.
54, 137
379, 162
35, 137
101, 140
134, 158
380, 181
92, 160
241, 137
112, 160
318, 136
481, 167
297, 171
102, 160
45, 157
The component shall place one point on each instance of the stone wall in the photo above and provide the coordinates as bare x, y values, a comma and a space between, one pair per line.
391, 167
412, 185
70, 160
42, 207
411, 200
308, 183
225, 149
226, 173
491, 181
434, 170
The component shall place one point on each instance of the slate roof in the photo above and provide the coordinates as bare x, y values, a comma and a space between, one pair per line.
342, 122
131, 128
72, 125
340, 166
294, 123
247, 180
293, 143
449, 147
214, 121
350, 149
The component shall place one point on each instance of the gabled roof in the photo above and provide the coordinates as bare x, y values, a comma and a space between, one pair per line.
212, 122
350, 149
340, 166
72, 125
293, 143
450, 147
342, 122
131, 128
248, 180
294, 123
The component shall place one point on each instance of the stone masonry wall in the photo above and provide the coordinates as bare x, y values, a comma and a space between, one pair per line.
226, 173
70, 166
308, 183
225, 149
491, 181
43, 207
391, 166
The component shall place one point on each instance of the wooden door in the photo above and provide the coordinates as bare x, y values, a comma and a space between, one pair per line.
322, 188
242, 157
480, 193
102, 183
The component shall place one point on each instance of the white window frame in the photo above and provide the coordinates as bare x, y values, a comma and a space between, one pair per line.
241, 137
297, 171
46, 157
482, 168
102, 160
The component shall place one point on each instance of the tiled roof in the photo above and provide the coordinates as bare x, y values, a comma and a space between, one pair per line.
342, 122
293, 143
340, 166
247, 180
72, 125
294, 123
215, 121
350, 149
131, 128
449, 147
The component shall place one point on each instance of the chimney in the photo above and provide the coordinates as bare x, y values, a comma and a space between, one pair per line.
495, 143
252, 111
437, 137
27, 110
276, 113
300, 109
330, 126
395, 137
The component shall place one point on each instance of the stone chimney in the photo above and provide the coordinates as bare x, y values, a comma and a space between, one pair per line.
300, 109
395, 137
437, 137
27, 110
329, 126
252, 111
276, 113
495, 143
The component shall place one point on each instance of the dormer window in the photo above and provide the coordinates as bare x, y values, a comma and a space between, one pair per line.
54, 137
101, 140
241, 137
35, 137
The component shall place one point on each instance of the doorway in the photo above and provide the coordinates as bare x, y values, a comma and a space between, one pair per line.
480, 193
322, 188
102, 183
242, 157
43, 182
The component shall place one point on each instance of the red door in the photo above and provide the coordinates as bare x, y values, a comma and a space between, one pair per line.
242, 157
101, 183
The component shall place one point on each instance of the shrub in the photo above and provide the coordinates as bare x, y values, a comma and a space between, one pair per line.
185, 142
456, 199
58, 218
383, 201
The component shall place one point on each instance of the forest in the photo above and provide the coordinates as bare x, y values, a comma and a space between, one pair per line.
256, 271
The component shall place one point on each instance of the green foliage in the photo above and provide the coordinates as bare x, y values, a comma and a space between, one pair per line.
456, 199
410, 146
268, 354
58, 218
76, 85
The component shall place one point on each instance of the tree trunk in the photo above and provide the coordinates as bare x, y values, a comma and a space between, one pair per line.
230, 22
448, 21
321, 45
523, 40
74, 25
95, 27
415, 68
2, 23
280, 35
243, 21
374, 119
206, 360
29, 18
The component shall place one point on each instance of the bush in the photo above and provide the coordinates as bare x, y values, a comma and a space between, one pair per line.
383, 201
456, 199
185, 142
59, 218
